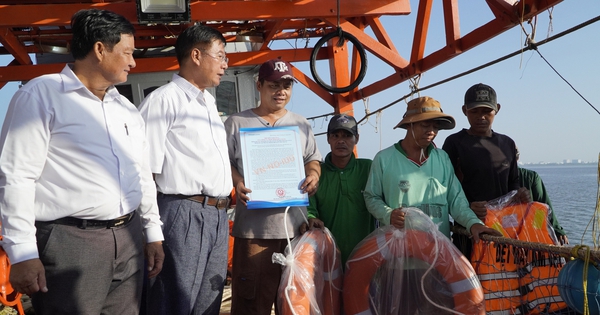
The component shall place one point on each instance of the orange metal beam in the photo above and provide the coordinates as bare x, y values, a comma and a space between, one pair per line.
380, 33
338, 69
27, 72
384, 53
313, 86
356, 62
274, 27
421, 28
451, 22
252, 10
501, 9
15, 72
60, 14
10, 42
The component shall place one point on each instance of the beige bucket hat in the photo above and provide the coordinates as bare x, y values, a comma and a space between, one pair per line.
426, 108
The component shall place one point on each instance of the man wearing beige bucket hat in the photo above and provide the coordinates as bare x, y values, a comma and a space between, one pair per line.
414, 173
406, 174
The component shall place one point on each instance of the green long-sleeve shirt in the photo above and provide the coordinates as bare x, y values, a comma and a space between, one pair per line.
340, 204
395, 181
532, 181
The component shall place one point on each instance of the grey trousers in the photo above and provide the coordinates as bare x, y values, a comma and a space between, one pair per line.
90, 271
195, 267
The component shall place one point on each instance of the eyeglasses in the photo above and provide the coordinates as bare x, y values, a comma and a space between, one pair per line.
220, 58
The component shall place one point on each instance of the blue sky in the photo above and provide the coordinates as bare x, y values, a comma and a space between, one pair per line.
546, 118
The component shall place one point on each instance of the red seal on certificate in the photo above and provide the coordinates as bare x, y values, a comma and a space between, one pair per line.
280, 192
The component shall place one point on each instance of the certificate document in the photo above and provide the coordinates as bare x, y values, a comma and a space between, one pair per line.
273, 166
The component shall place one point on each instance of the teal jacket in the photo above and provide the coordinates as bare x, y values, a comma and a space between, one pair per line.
395, 181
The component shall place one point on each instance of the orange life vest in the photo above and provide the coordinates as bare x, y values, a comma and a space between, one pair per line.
520, 280
372, 252
498, 276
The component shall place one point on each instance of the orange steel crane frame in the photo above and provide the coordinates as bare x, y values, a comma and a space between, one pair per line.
36, 26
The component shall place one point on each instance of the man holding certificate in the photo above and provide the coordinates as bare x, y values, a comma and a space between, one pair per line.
261, 232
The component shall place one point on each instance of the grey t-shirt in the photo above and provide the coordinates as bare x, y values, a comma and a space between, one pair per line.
267, 223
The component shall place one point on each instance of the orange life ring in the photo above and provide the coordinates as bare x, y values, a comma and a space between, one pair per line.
372, 252
316, 260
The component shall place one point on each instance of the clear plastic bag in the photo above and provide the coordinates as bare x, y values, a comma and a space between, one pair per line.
414, 270
516, 278
311, 282
522, 221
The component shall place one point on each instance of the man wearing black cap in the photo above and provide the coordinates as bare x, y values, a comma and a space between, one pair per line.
261, 232
339, 203
485, 161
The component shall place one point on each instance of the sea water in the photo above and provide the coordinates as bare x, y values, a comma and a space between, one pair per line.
573, 191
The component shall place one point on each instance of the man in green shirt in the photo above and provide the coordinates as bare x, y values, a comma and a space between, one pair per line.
339, 204
533, 182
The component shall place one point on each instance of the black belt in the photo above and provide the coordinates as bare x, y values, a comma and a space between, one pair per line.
221, 203
83, 223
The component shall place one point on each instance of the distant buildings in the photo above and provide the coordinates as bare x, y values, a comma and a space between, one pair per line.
564, 162
576, 161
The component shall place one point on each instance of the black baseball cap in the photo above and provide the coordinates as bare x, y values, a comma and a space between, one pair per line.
481, 95
342, 122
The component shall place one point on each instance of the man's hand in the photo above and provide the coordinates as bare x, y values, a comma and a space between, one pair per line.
522, 196
28, 276
242, 192
310, 184
478, 229
312, 224
563, 239
155, 256
397, 218
479, 208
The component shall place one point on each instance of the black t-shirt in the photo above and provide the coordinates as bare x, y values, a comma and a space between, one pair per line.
486, 167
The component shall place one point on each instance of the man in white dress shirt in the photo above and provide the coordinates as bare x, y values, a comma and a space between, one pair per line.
190, 162
76, 192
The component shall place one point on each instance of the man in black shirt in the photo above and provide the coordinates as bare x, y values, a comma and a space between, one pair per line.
485, 161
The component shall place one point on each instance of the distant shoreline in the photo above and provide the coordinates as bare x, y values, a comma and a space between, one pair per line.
558, 164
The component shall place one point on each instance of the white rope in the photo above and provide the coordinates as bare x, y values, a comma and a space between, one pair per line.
289, 263
379, 249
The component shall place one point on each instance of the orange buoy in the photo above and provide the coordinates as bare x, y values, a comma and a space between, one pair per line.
430, 246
